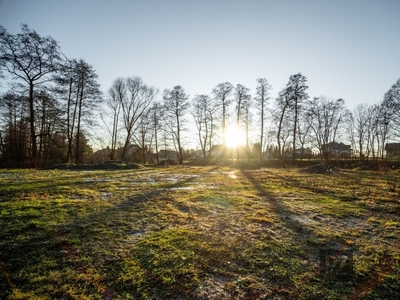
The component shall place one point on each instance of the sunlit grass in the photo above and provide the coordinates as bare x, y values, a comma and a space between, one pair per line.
195, 232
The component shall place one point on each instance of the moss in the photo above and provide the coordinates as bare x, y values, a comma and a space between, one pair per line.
193, 233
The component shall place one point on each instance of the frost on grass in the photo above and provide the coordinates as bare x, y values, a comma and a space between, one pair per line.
197, 233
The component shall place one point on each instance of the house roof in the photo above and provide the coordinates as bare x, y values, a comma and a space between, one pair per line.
337, 146
392, 147
217, 147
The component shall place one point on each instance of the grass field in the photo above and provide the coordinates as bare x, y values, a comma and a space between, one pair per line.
199, 233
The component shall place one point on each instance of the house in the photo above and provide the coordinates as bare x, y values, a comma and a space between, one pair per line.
167, 154
217, 151
104, 155
197, 154
392, 150
307, 152
335, 149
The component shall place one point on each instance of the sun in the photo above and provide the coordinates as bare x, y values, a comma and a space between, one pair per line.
234, 137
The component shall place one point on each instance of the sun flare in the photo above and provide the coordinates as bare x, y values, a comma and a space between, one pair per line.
234, 137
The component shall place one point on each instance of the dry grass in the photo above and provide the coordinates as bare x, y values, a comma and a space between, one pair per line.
199, 233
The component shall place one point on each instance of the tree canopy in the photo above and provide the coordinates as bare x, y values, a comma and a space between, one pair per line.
51, 111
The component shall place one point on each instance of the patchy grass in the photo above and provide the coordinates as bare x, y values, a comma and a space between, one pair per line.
199, 233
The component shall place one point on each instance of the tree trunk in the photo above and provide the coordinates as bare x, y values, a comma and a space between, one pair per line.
35, 161
77, 160
294, 131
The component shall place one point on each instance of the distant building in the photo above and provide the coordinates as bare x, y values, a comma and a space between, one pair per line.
132, 154
167, 154
197, 154
335, 149
392, 150
305, 151
217, 151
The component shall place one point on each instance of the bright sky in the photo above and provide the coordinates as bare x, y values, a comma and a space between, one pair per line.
346, 48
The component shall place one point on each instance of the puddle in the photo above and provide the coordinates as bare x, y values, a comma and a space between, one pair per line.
105, 195
77, 197
138, 234
180, 188
232, 175
92, 179
122, 187
194, 187
144, 180
301, 219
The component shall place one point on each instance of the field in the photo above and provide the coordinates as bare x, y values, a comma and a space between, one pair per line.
199, 233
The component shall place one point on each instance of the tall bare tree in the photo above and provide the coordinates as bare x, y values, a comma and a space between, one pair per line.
32, 60
176, 106
392, 102
296, 95
15, 129
262, 98
383, 125
361, 125
327, 118
49, 123
156, 112
304, 134
79, 87
247, 117
138, 99
145, 135
221, 95
202, 111
281, 119
114, 101
89, 94
242, 95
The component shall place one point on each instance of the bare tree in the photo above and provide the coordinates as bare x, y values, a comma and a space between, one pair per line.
326, 118
175, 106
144, 137
138, 99
89, 95
241, 97
67, 89
203, 118
262, 97
32, 60
116, 95
221, 95
296, 95
15, 134
49, 123
392, 102
280, 115
156, 112
247, 117
303, 134
383, 125
362, 129
79, 88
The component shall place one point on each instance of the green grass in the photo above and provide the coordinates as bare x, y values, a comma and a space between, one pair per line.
198, 233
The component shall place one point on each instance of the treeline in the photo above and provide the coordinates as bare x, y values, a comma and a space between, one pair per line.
54, 105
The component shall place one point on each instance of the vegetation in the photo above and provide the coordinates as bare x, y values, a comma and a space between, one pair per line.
200, 233
49, 115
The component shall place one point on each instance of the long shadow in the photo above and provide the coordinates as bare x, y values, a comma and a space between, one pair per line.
128, 204
298, 228
277, 206
292, 181
82, 227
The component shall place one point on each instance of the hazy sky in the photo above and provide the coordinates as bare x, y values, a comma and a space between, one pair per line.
347, 49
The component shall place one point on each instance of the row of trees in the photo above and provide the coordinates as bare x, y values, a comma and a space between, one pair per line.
50, 101
52, 104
